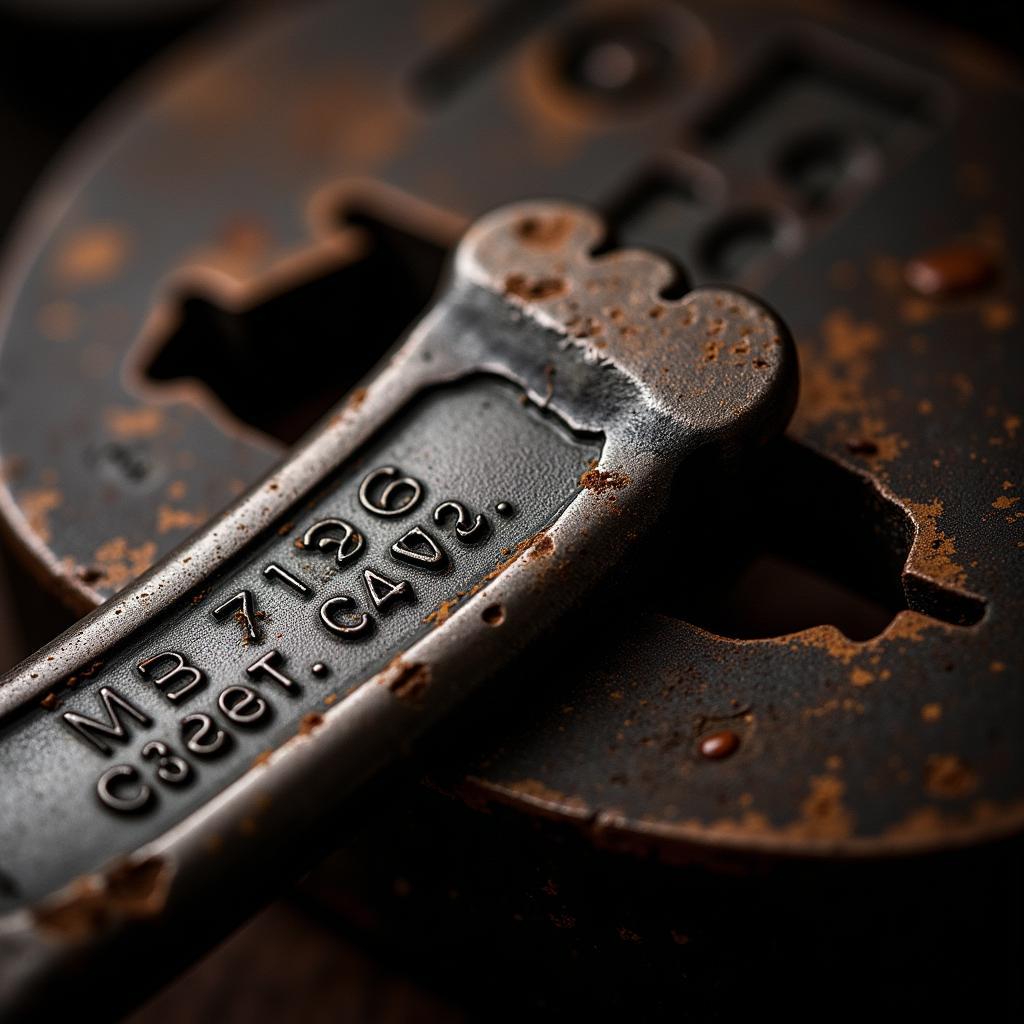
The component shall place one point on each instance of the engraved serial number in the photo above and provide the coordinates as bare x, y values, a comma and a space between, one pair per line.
166, 764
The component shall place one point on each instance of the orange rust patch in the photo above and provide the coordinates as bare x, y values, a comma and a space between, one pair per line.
875, 441
931, 712
833, 380
544, 232
600, 481
933, 551
929, 822
406, 680
240, 249
535, 288
536, 791
51, 702
907, 625
128, 891
998, 316
823, 814
542, 547
368, 128
129, 424
1004, 501
947, 776
309, 722
832, 705
37, 506
121, 563
168, 518
443, 611
91, 255
861, 677
261, 758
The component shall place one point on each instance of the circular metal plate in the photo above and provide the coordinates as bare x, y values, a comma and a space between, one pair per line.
237, 242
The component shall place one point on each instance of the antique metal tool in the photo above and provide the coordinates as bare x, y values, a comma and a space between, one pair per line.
197, 730
811, 680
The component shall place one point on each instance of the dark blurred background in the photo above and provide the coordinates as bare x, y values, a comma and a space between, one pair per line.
59, 59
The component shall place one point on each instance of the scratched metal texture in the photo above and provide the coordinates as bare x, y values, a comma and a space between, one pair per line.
528, 300
908, 740
51, 785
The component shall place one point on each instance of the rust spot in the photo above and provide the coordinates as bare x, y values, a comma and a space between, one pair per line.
537, 792
241, 247
947, 776
91, 255
719, 745
406, 680
127, 891
261, 758
37, 506
356, 399
950, 269
544, 232
861, 676
121, 563
823, 812
998, 316
168, 519
443, 611
600, 481
834, 379
51, 702
933, 552
243, 624
130, 424
1004, 501
931, 712
309, 722
907, 625
541, 547
536, 288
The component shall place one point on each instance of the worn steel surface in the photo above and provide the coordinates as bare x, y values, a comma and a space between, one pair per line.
334, 647
830, 165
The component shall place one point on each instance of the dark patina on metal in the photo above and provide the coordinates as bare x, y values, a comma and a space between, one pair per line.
205, 722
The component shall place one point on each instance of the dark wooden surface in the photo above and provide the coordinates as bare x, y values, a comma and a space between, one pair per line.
284, 966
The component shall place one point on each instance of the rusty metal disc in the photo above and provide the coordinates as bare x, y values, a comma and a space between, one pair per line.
230, 249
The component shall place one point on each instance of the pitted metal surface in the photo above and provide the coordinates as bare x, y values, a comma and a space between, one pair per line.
147, 747
904, 449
